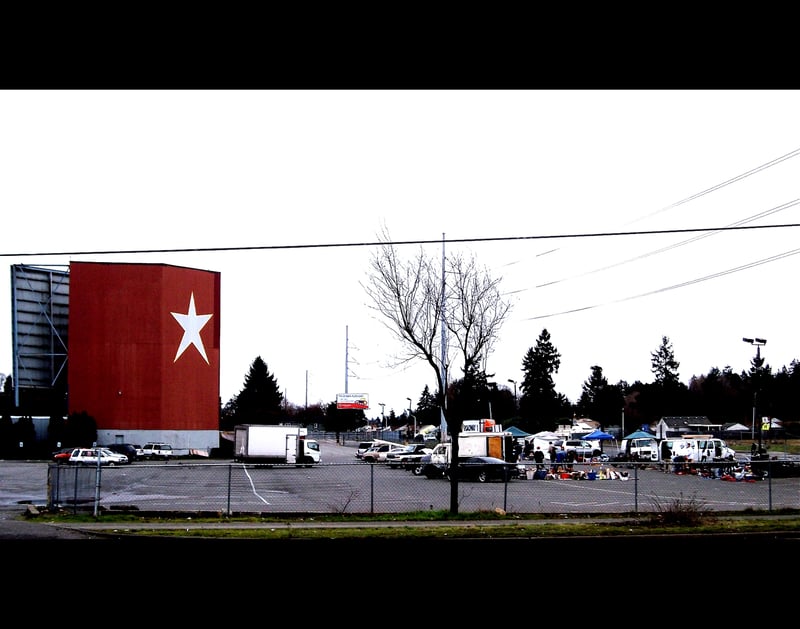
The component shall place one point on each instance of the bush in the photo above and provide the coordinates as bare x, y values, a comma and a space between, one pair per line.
681, 511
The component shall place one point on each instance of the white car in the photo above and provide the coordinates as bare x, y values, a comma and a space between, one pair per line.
90, 456
363, 447
377, 454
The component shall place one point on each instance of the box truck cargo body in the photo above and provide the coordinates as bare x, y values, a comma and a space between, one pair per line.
275, 444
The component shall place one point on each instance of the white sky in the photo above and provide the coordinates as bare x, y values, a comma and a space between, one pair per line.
89, 171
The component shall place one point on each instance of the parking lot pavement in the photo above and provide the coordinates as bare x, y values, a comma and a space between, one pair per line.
14, 526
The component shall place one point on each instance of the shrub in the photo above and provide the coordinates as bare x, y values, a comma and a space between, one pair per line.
681, 511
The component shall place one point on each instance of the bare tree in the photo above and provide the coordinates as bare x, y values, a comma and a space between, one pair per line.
408, 297
414, 300
475, 309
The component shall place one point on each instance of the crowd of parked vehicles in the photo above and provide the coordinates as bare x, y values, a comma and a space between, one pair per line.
90, 456
489, 453
114, 454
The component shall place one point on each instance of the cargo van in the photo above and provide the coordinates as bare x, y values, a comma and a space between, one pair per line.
699, 449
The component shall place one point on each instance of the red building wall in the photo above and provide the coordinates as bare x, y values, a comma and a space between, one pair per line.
123, 367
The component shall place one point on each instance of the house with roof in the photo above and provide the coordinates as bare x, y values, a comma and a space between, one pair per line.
735, 427
676, 426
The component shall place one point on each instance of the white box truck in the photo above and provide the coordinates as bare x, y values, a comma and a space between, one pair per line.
499, 445
275, 444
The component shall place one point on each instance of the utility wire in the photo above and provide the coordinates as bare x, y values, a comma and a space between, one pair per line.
392, 243
743, 267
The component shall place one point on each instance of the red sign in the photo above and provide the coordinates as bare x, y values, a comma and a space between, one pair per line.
352, 401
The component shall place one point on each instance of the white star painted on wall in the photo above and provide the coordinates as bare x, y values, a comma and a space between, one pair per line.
191, 323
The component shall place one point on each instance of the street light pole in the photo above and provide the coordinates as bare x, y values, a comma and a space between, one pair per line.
514, 382
756, 365
410, 416
383, 417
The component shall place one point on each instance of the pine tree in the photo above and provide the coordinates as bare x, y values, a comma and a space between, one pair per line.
259, 402
540, 405
664, 365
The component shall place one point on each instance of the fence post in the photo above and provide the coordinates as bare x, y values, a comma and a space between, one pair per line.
230, 480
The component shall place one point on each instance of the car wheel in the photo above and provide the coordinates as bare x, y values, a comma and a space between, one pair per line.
482, 477
416, 470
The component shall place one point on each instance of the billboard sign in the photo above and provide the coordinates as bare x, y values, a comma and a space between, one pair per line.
352, 401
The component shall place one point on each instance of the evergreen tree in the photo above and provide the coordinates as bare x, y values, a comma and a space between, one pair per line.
469, 397
260, 400
340, 420
427, 410
664, 365
56, 431
6, 436
601, 401
25, 434
590, 391
81, 430
540, 405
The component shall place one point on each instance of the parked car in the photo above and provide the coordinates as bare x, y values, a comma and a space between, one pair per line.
428, 468
62, 455
377, 454
156, 450
90, 456
484, 469
128, 449
408, 458
362, 448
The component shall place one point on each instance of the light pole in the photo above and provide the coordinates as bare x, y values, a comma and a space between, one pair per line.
514, 382
410, 416
756, 365
383, 417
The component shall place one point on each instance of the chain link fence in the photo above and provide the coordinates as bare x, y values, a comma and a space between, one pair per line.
229, 489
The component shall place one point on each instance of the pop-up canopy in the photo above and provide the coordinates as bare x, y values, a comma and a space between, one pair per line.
598, 435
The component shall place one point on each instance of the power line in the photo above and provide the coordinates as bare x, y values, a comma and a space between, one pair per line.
396, 242
743, 267
682, 243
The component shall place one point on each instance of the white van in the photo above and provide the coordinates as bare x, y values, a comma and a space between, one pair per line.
700, 449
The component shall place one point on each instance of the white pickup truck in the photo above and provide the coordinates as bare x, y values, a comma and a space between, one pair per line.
155, 450
583, 449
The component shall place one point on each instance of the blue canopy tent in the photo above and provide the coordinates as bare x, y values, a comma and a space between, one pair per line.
639, 434
598, 435
516, 432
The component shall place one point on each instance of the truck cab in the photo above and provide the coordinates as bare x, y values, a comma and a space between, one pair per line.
639, 449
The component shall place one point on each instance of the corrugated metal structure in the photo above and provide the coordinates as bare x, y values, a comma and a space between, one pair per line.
39, 328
